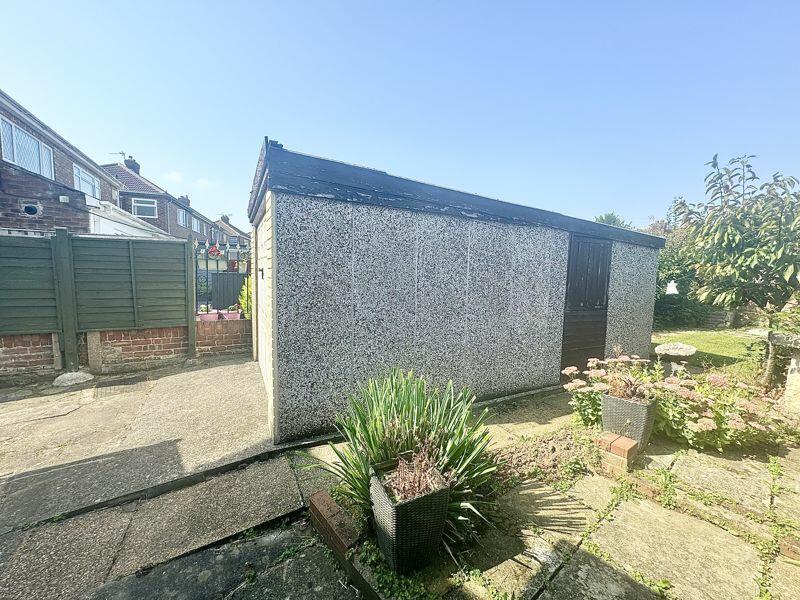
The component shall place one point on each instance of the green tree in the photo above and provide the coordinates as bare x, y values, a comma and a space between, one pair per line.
746, 241
745, 238
612, 218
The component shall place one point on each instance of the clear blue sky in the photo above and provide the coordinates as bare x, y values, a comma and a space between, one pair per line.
579, 107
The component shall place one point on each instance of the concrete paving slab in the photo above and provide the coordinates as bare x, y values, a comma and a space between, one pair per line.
587, 577
735, 476
64, 559
69, 448
593, 490
787, 501
310, 478
531, 417
700, 560
217, 572
537, 509
185, 520
785, 579
660, 453
518, 567
311, 575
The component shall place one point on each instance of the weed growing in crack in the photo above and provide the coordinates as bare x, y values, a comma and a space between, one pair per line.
665, 480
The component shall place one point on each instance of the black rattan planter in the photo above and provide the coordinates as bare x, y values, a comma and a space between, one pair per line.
408, 532
630, 418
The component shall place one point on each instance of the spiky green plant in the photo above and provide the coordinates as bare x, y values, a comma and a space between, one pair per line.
399, 413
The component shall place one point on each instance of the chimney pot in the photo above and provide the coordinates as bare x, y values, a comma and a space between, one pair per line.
131, 163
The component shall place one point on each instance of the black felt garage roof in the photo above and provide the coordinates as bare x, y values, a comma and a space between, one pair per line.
282, 170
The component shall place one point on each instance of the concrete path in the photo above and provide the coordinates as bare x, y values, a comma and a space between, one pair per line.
282, 562
64, 449
66, 559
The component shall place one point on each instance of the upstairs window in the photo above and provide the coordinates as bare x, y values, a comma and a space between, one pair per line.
86, 182
183, 218
196, 225
24, 150
145, 207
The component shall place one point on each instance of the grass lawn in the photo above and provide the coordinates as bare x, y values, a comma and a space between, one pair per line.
733, 350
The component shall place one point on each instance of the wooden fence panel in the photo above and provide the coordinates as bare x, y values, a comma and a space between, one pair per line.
95, 280
69, 284
137, 283
225, 288
27, 286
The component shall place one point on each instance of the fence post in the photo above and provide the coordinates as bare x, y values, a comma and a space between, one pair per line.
133, 285
65, 294
191, 324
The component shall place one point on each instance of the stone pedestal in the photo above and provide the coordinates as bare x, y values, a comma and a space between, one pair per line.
791, 344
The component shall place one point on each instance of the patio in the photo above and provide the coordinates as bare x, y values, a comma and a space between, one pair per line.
708, 528
63, 449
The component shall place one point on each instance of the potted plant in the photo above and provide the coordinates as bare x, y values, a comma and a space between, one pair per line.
409, 505
204, 313
617, 393
233, 313
629, 410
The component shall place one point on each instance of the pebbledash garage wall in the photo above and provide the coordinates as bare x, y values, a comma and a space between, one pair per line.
357, 271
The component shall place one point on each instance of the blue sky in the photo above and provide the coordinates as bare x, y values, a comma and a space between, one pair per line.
578, 107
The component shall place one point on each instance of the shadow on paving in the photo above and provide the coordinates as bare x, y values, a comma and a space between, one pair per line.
285, 562
125, 436
52, 491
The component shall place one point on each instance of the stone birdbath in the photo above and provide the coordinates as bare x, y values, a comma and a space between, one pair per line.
790, 343
676, 354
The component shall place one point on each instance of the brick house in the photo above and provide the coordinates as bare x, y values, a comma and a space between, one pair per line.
144, 199
46, 182
231, 234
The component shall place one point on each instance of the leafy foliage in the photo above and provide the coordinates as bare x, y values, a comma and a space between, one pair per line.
246, 297
707, 411
612, 218
676, 263
746, 238
399, 414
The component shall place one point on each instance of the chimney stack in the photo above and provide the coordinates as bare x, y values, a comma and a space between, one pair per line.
131, 163
184, 200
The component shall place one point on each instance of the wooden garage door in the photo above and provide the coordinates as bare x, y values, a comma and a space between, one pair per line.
586, 305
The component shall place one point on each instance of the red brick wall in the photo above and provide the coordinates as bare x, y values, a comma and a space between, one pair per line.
146, 346
224, 337
19, 187
26, 353
63, 161
167, 219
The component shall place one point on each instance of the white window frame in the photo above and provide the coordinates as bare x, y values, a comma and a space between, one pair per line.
197, 227
148, 202
183, 218
45, 169
79, 173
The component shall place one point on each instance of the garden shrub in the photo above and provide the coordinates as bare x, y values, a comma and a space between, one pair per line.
622, 376
400, 413
678, 310
714, 411
711, 410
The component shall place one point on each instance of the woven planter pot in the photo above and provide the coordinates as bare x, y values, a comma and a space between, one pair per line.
629, 418
408, 532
